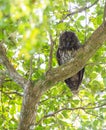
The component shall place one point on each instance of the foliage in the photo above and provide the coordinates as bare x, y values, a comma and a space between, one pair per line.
24, 28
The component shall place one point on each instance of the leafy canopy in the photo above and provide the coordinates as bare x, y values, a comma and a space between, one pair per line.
25, 27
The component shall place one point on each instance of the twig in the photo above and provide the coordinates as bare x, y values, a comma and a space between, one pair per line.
92, 114
51, 52
104, 16
13, 92
95, 63
6, 95
78, 11
68, 109
30, 71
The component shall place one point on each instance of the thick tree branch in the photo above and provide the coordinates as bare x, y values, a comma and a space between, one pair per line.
11, 70
33, 92
81, 57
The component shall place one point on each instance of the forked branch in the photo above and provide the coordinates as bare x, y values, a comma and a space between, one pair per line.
11, 70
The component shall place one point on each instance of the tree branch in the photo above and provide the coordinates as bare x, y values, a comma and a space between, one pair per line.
33, 92
11, 92
11, 70
81, 57
68, 109
51, 51
30, 70
95, 63
78, 11
104, 16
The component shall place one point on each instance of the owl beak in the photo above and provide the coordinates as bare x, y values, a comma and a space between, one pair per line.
68, 44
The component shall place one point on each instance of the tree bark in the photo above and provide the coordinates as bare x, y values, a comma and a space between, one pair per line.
29, 107
61, 73
33, 92
11, 70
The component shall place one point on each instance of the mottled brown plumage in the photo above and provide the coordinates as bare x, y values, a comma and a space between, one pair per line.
68, 43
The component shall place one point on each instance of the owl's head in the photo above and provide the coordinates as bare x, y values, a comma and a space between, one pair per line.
68, 40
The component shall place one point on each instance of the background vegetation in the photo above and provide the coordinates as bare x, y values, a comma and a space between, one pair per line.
25, 29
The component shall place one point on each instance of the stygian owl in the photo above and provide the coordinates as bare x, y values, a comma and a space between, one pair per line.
68, 43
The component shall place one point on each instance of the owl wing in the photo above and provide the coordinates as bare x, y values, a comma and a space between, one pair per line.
68, 43
58, 56
75, 81
81, 73
63, 55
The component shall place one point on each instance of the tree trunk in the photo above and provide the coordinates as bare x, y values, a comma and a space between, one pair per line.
29, 107
32, 93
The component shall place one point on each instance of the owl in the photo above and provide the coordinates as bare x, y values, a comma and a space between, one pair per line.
68, 44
